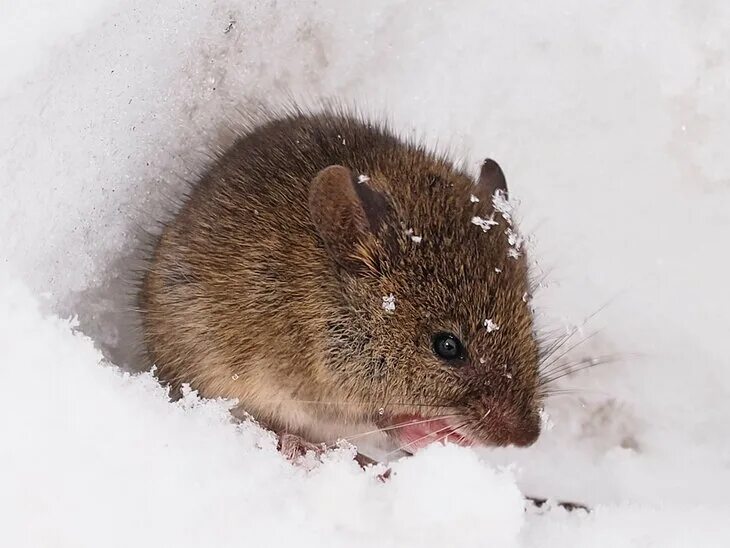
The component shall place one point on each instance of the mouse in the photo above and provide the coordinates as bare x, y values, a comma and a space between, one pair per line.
339, 281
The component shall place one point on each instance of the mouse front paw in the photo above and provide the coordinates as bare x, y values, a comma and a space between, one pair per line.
294, 447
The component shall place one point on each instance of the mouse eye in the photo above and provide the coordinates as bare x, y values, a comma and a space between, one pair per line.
448, 347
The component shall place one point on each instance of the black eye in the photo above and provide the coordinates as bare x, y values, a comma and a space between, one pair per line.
448, 347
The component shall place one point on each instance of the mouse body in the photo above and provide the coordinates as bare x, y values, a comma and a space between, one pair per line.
336, 279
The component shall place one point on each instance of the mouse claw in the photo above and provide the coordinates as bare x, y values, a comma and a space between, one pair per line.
543, 503
384, 476
294, 447
364, 461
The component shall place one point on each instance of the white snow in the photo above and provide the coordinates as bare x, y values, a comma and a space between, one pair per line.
484, 224
389, 302
610, 121
95, 457
414, 238
501, 203
490, 325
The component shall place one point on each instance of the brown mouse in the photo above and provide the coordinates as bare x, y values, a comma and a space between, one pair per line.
336, 279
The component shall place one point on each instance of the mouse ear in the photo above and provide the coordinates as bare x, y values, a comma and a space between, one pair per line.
491, 179
347, 214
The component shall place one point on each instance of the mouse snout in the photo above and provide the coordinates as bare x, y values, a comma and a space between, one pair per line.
525, 432
504, 423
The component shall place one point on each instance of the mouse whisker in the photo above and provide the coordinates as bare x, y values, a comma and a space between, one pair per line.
550, 341
560, 392
567, 366
546, 366
569, 369
550, 392
396, 426
404, 446
596, 360
555, 346
459, 430
367, 404
577, 366
453, 431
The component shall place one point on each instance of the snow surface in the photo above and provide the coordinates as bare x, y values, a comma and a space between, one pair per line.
610, 120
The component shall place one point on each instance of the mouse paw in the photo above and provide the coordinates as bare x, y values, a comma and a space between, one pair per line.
384, 476
294, 447
364, 461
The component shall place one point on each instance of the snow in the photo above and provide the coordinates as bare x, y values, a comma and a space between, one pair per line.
484, 224
414, 238
389, 303
490, 325
96, 457
610, 121
501, 203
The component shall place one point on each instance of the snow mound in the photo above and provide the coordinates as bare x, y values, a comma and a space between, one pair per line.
93, 456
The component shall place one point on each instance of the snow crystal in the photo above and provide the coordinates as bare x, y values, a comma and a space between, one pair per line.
546, 422
389, 303
501, 204
490, 325
473, 199
414, 238
514, 238
484, 224
362, 178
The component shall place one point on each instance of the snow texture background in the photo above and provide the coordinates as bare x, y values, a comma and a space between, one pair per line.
611, 120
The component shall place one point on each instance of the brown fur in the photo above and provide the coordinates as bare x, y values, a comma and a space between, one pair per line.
244, 300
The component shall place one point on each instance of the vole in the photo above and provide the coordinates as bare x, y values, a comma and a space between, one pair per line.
336, 279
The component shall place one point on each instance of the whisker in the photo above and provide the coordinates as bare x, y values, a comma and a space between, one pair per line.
546, 367
407, 404
557, 344
396, 426
569, 369
458, 430
586, 363
569, 366
599, 310
558, 392
454, 430
403, 447
549, 352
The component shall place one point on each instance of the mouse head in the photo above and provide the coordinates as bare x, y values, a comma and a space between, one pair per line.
435, 337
